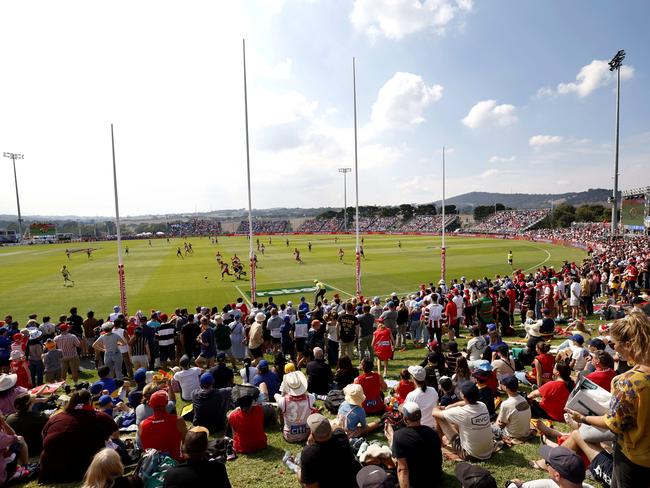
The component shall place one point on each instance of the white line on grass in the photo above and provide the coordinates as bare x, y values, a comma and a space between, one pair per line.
548, 256
338, 289
244, 295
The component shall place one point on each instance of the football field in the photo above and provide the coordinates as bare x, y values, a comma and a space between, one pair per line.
156, 278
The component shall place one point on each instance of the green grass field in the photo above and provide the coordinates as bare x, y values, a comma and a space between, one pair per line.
156, 278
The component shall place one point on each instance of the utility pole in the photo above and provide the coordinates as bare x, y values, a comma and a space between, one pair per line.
13, 157
345, 172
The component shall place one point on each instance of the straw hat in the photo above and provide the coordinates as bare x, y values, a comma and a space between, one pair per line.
354, 394
7, 381
260, 317
295, 383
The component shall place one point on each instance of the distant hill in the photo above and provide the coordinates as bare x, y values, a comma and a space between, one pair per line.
468, 201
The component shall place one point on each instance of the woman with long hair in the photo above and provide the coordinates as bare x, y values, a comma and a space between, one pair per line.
462, 375
425, 396
553, 395
106, 471
628, 411
382, 344
543, 365
345, 372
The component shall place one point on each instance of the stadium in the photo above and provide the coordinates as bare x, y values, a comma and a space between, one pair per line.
448, 325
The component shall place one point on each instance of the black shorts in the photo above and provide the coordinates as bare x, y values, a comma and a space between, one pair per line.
275, 340
167, 353
300, 344
602, 467
257, 352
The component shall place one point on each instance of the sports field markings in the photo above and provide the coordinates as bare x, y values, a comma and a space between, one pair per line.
338, 289
243, 295
548, 257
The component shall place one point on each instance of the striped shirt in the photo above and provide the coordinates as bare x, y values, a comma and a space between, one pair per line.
138, 346
68, 344
165, 334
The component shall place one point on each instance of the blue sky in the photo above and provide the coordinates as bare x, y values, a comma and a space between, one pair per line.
517, 92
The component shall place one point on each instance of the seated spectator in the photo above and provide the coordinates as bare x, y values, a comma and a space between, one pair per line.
462, 375
295, 405
373, 476
197, 469
9, 390
77, 433
248, 372
345, 372
162, 431
502, 363
451, 358
543, 365
28, 424
448, 396
476, 345
604, 374
373, 387
417, 449
564, 467
319, 374
593, 346
222, 374
351, 416
553, 394
434, 366
144, 410
325, 450
425, 396
514, 412
106, 470
485, 393
473, 476
405, 386
466, 428
210, 405
266, 380
247, 422
579, 353
187, 378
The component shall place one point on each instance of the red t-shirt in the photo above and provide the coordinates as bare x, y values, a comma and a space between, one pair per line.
248, 428
602, 378
451, 311
554, 397
161, 433
512, 296
371, 384
547, 361
403, 388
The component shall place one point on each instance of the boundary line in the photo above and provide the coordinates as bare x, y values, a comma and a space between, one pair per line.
338, 289
548, 257
244, 295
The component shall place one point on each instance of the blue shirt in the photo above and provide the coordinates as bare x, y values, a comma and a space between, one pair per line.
108, 384
271, 380
303, 307
285, 329
354, 416
207, 337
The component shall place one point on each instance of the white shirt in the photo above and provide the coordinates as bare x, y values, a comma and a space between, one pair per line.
120, 332
578, 354
547, 483
574, 298
435, 312
427, 401
515, 412
460, 304
474, 428
189, 381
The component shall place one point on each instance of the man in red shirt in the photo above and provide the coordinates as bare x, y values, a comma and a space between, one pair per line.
247, 422
451, 312
162, 431
604, 373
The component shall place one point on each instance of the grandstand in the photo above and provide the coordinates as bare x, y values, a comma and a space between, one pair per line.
193, 227
428, 223
508, 221
264, 227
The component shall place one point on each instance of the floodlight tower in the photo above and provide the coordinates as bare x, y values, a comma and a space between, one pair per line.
13, 157
345, 172
615, 64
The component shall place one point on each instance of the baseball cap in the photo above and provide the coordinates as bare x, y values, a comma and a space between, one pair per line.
373, 477
510, 382
64, 327
491, 327
566, 462
104, 400
206, 379
140, 375
472, 476
598, 344
319, 426
159, 399
263, 364
578, 338
411, 411
418, 372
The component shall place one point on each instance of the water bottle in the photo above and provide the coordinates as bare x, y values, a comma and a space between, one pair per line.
286, 459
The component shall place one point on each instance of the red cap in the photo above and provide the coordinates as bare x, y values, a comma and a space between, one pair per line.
163, 317
17, 336
158, 400
64, 327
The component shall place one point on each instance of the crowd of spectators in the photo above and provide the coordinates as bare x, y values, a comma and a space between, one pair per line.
508, 221
264, 226
195, 227
426, 223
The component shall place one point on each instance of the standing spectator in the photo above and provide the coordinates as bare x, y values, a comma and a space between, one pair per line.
382, 344
273, 325
165, 335
207, 344
348, 331
34, 354
52, 362
68, 343
417, 449
140, 351
109, 343
332, 344
366, 329
190, 331
88, 334
256, 338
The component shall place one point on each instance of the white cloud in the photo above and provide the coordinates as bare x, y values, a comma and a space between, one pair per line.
396, 19
489, 173
402, 101
590, 77
544, 140
501, 159
260, 68
488, 112
562, 182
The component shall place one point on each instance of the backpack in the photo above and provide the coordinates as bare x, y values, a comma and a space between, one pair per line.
333, 400
152, 467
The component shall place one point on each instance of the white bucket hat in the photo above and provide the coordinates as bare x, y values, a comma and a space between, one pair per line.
7, 381
354, 394
295, 383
